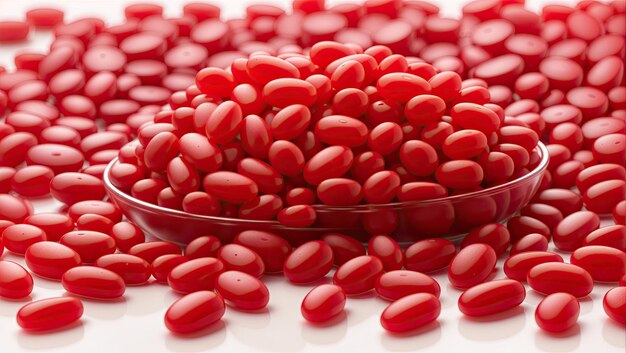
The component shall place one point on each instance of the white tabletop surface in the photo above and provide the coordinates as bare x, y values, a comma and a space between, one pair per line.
135, 323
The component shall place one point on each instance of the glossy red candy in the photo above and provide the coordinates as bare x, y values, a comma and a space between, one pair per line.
553, 277
387, 250
308, 262
344, 247
204, 246
401, 87
195, 275
298, 216
194, 312
529, 242
429, 255
230, 187
604, 196
32, 181
566, 201
126, 235
149, 251
71, 188
95, 223
410, 312
239, 258
492, 297
557, 312
90, 245
242, 290
520, 226
14, 209
611, 236
358, 275
339, 192
17, 238
49, 314
132, 269
331, 162
270, 247
547, 214
341, 130
614, 304
472, 265
568, 235
15, 281
517, 266
163, 265
283, 92
397, 284
323, 303
460, 174
494, 234
50, 260
93, 282
101, 208
419, 157
603, 263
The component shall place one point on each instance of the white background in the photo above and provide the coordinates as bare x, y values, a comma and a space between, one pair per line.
135, 323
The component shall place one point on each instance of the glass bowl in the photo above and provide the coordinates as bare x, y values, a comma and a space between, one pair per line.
450, 217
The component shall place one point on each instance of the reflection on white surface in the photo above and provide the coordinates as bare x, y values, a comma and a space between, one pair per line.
45, 342
419, 339
568, 341
493, 327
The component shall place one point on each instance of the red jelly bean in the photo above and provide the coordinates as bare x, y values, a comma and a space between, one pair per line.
557, 312
460, 174
614, 304
93, 282
401, 283
49, 314
517, 266
239, 258
149, 251
272, 248
13, 31
418, 157
429, 255
50, 260
308, 262
17, 238
14, 209
194, 312
530, 242
472, 265
89, 245
553, 277
564, 200
387, 250
283, 92
55, 225
570, 232
132, 269
126, 235
359, 274
323, 303
410, 312
605, 264
242, 290
331, 162
611, 236
492, 297
15, 281
230, 187
604, 196
163, 265
205, 246
494, 235
195, 275
344, 247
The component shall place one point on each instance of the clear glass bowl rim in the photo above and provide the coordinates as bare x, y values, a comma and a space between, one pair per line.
540, 168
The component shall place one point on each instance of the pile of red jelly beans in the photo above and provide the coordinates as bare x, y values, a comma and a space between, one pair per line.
265, 116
